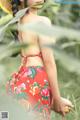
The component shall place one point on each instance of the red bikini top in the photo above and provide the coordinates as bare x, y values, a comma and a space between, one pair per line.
39, 55
25, 57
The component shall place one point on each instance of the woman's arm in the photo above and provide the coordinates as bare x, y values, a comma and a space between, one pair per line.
49, 62
58, 103
50, 65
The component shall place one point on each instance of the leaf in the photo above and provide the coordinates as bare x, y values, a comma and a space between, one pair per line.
14, 20
16, 110
52, 31
5, 19
7, 103
2, 74
70, 63
8, 50
69, 44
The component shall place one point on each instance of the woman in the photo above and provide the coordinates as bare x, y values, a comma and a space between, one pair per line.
35, 83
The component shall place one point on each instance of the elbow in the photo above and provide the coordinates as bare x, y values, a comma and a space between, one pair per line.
48, 63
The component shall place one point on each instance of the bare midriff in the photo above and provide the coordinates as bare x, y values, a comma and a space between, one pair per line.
32, 60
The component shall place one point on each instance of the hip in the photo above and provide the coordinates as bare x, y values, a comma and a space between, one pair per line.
32, 80
31, 83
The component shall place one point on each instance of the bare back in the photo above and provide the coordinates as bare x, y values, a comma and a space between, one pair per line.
32, 39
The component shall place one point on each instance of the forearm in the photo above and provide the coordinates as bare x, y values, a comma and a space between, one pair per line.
50, 66
52, 76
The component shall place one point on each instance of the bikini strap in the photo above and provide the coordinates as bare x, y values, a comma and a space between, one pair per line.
40, 55
25, 57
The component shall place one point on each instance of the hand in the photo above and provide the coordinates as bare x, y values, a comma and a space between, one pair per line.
61, 106
69, 106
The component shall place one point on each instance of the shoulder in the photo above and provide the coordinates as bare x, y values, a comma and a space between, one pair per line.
45, 39
46, 20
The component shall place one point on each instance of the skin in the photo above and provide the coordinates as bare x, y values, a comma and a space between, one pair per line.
35, 45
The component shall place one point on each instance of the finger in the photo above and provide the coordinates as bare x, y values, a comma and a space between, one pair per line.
63, 113
68, 102
70, 105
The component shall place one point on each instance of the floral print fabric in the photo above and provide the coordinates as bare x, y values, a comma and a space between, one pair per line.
31, 83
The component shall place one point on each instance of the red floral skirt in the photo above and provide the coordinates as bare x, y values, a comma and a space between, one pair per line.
31, 83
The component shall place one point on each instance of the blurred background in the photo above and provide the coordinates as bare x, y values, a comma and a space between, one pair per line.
65, 29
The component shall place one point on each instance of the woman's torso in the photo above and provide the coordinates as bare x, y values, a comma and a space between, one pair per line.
32, 39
